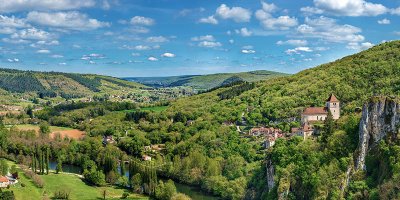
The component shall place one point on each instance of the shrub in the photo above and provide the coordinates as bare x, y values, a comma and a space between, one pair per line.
62, 193
125, 195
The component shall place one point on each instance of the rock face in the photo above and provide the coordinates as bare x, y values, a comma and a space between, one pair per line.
270, 175
380, 118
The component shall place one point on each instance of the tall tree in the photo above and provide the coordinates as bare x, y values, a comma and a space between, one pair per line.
329, 124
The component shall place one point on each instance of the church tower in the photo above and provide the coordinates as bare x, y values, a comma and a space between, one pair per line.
333, 104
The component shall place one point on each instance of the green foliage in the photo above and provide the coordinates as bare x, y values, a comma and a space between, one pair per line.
165, 191
3, 167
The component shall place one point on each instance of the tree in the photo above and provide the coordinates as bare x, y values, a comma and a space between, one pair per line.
3, 167
136, 182
180, 196
329, 124
29, 111
59, 166
44, 129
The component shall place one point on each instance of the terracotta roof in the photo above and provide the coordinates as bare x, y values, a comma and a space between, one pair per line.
315, 110
332, 98
3, 179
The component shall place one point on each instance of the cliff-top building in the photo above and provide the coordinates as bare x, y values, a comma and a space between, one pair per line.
313, 114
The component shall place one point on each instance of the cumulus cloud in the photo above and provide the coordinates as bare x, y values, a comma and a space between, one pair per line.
13, 60
203, 38
237, 14
69, 20
327, 29
359, 46
151, 58
248, 51
33, 34
208, 20
244, 32
140, 20
57, 56
298, 50
8, 6
346, 8
157, 39
142, 47
92, 56
43, 51
270, 22
168, 55
293, 42
42, 43
384, 21
12, 21
209, 44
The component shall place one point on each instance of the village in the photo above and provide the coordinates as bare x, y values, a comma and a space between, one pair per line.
310, 117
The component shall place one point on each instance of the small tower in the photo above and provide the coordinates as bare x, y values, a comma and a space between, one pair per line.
333, 104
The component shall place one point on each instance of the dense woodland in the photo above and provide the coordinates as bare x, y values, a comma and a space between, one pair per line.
198, 148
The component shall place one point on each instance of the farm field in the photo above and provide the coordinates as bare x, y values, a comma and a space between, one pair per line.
63, 131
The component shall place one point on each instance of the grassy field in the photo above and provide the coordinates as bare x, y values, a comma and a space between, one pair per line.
36, 127
155, 108
79, 190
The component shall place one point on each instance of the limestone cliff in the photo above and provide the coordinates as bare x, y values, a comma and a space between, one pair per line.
380, 118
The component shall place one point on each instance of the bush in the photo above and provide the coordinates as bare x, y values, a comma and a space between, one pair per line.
62, 193
38, 181
125, 195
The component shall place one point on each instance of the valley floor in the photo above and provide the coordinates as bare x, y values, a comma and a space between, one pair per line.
53, 182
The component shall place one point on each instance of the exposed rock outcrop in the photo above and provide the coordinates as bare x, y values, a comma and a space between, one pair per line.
380, 118
270, 175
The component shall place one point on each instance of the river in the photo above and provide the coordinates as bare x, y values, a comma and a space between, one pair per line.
193, 192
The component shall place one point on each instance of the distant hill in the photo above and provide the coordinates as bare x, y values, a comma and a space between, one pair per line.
205, 82
68, 85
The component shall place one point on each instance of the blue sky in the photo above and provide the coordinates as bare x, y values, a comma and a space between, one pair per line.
175, 37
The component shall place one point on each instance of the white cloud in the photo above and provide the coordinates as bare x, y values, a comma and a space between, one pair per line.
57, 56
15, 40
43, 51
144, 21
237, 14
327, 29
12, 22
157, 39
248, 51
93, 56
42, 43
395, 11
142, 47
62, 63
346, 8
139, 29
106, 5
33, 34
69, 20
231, 41
384, 21
13, 60
8, 6
151, 58
269, 7
359, 46
298, 50
203, 38
209, 44
135, 54
266, 19
244, 32
208, 20
168, 55
293, 42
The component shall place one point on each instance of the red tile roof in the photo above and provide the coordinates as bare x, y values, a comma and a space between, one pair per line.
332, 98
315, 110
3, 179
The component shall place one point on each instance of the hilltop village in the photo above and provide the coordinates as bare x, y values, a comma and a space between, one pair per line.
310, 118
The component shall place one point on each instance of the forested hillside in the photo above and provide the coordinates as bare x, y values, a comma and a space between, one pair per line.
67, 85
206, 82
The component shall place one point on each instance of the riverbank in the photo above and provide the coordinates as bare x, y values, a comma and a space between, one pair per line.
79, 190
